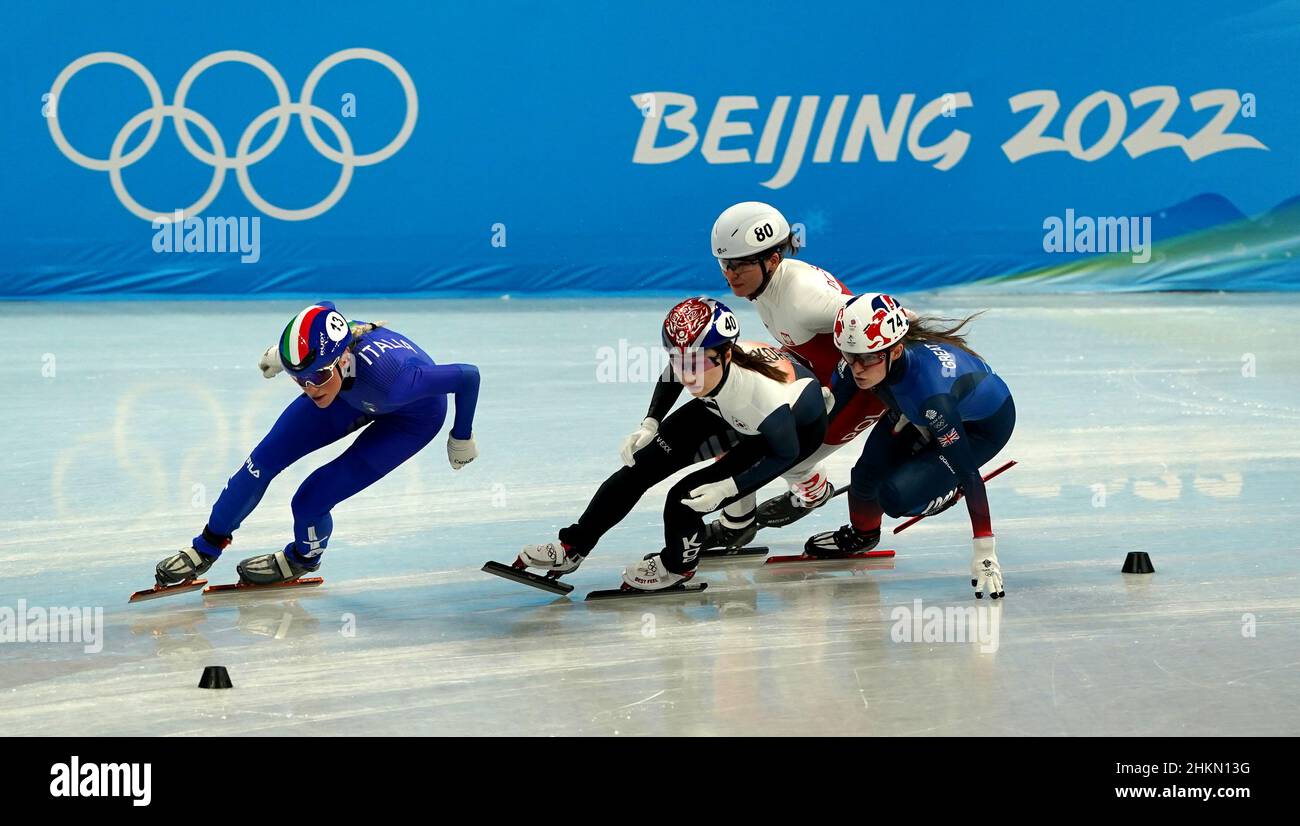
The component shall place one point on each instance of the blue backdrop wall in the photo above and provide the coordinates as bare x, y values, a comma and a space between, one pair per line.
539, 147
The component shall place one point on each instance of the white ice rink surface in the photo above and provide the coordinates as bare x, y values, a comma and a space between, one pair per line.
1166, 424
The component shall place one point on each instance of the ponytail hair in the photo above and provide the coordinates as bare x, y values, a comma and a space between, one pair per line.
361, 328
942, 331
755, 363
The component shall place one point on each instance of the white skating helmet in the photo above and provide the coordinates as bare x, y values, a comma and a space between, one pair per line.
748, 229
870, 323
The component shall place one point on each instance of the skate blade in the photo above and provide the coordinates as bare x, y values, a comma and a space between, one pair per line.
167, 590
523, 577
780, 523
246, 587
782, 560
747, 550
676, 590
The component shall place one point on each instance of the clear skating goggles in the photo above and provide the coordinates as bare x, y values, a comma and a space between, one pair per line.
734, 264
865, 359
317, 377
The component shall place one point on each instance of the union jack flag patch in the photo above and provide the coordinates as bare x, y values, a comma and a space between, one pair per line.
949, 437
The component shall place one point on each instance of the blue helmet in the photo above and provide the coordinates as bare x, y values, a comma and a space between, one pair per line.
313, 340
701, 323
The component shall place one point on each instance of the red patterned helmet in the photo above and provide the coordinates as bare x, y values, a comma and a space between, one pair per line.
699, 323
870, 323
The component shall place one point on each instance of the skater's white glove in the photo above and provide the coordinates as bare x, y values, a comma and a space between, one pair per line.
708, 497
634, 442
828, 398
461, 452
269, 363
985, 573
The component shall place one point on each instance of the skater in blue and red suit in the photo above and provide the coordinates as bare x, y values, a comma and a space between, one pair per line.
353, 375
950, 414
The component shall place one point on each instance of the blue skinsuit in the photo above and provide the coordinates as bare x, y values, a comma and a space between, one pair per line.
395, 391
968, 412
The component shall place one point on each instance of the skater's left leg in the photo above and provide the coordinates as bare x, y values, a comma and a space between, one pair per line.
385, 445
684, 526
301, 428
690, 434
684, 529
884, 451
925, 484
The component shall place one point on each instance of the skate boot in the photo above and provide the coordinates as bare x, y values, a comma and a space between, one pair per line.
717, 534
185, 566
650, 575
554, 558
273, 569
847, 540
789, 508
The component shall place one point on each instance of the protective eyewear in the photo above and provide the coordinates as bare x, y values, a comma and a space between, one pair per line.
865, 359
734, 264
317, 377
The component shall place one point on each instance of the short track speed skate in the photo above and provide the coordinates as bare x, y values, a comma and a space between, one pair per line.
179, 573
518, 573
168, 590
727, 553
269, 572
782, 560
245, 587
629, 591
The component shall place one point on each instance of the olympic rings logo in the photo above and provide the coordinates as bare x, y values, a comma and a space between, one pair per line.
243, 158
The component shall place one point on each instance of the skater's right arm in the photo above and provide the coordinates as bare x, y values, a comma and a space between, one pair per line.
666, 392
420, 381
462, 381
667, 389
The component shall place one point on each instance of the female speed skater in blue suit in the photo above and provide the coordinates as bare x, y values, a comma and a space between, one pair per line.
951, 413
353, 375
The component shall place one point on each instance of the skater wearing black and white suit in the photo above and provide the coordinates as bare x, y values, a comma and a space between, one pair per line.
758, 410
